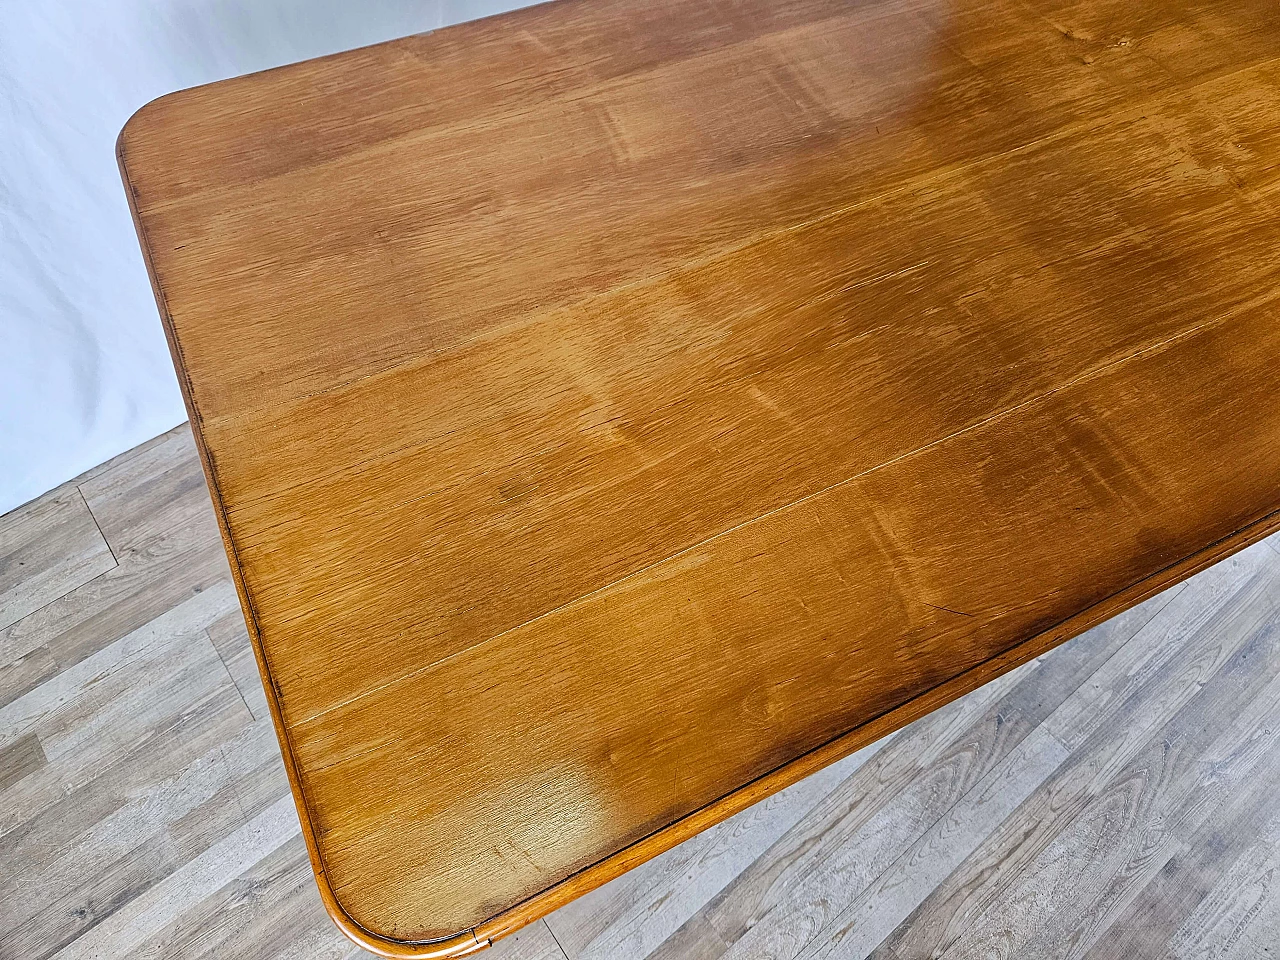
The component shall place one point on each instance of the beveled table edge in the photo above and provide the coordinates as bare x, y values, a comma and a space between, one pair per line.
597, 874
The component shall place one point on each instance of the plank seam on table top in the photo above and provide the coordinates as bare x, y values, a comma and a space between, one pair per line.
820, 298
998, 415
940, 174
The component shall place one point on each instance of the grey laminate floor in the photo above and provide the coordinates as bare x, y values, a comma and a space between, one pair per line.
1119, 797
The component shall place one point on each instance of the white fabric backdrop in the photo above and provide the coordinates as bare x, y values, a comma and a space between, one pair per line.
84, 370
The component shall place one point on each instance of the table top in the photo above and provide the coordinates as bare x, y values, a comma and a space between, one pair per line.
616, 410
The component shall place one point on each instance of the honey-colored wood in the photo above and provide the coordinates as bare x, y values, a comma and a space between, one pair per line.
615, 411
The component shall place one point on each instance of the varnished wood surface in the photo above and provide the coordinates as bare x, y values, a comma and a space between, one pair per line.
616, 411
1112, 799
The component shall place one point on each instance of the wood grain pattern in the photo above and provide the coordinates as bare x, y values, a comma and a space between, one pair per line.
141, 816
711, 389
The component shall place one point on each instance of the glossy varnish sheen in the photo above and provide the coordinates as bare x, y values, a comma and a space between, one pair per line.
617, 410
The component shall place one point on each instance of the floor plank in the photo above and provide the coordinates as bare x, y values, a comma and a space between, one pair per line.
1130, 826
1113, 798
47, 548
1108, 740
1164, 907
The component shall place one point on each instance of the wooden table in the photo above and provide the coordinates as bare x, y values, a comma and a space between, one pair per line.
617, 410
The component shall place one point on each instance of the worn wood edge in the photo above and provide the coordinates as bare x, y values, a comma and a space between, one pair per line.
638, 852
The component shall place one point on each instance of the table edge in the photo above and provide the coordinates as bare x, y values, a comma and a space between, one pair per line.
640, 851
461, 943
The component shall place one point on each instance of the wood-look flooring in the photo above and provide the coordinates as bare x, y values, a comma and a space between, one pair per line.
1115, 798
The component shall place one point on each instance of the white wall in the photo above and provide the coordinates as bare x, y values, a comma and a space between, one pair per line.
84, 370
